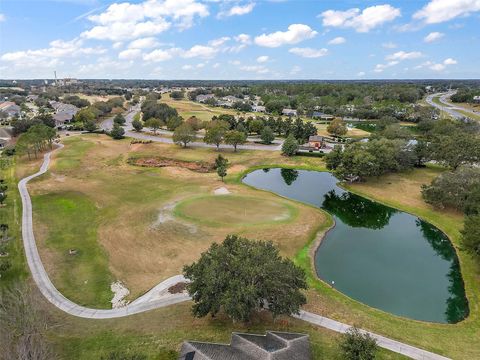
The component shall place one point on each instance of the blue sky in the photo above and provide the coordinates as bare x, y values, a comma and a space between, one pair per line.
229, 39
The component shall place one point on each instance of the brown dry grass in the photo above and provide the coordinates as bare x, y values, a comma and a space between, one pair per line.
142, 252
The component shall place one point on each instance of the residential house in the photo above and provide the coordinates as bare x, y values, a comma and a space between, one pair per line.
316, 142
203, 98
476, 99
322, 116
289, 112
32, 98
9, 108
258, 108
64, 113
272, 346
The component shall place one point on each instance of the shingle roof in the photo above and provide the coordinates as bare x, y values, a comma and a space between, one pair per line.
272, 346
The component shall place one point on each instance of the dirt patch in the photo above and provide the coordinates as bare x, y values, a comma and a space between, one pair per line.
177, 288
197, 166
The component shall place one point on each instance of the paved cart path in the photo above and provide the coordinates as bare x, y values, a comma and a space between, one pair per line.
157, 297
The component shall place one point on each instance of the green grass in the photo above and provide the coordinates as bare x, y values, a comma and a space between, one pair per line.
10, 214
225, 210
159, 333
69, 158
72, 223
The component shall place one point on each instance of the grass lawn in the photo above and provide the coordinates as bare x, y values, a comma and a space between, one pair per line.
142, 225
352, 132
145, 242
70, 222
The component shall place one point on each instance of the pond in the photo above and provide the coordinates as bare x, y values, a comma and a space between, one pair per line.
378, 255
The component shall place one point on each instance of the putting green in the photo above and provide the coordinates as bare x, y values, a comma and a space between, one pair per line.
218, 210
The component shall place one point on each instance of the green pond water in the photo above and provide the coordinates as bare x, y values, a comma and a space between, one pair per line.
378, 255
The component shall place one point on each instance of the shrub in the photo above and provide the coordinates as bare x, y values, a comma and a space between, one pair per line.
356, 345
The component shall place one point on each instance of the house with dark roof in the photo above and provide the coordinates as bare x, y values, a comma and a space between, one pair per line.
273, 345
322, 116
289, 112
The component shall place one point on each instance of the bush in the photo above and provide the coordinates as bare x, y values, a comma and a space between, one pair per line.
356, 345
117, 132
9, 150
471, 234
458, 189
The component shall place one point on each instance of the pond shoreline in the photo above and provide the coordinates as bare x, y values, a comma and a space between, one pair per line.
390, 230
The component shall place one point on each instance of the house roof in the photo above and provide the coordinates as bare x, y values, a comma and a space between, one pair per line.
315, 138
289, 111
272, 346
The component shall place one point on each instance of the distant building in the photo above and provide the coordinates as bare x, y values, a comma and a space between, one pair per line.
258, 108
231, 99
272, 346
289, 112
322, 116
203, 98
32, 98
64, 113
476, 99
316, 141
10, 108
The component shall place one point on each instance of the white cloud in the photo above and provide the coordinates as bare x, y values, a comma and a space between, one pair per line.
309, 52
362, 21
160, 55
219, 41
262, 59
200, 66
187, 67
361, 73
117, 45
143, 43
450, 61
433, 36
2, 17
58, 49
244, 39
216, 65
130, 54
235, 62
437, 66
337, 41
389, 45
122, 21
437, 11
237, 10
259, 69
403, 55
380, 67
295, 34
201, 51
295, 70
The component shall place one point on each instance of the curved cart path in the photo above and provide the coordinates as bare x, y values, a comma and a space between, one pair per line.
157, 297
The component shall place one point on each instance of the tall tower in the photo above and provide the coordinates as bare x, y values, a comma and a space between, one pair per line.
55, 73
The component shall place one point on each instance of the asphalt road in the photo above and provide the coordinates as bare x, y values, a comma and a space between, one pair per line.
448, 107
156, 297
107, 125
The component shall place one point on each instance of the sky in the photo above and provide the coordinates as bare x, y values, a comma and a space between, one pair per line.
237, 39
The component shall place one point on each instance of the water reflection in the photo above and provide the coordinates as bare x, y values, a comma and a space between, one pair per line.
289, 175
356, 211
457, 304
378, 255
